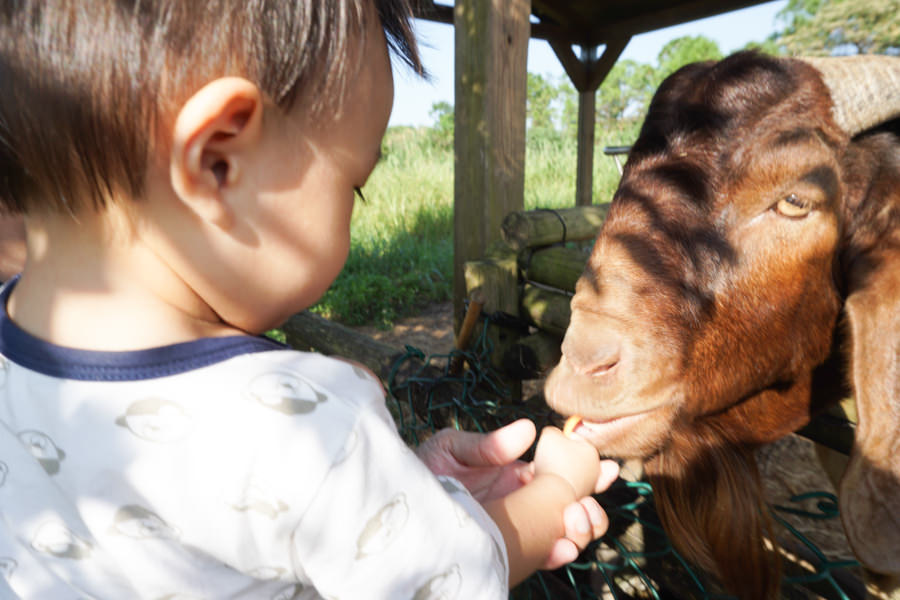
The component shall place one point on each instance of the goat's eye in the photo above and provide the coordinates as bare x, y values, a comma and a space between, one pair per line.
793, 207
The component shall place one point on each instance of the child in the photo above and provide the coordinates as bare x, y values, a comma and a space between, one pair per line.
186, 171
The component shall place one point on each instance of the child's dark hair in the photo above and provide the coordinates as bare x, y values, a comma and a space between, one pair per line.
84, 84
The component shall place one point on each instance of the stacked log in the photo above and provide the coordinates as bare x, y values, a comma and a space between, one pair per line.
544, 227
529, 279
557, 267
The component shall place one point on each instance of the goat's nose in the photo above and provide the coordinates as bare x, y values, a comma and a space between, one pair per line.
591, 354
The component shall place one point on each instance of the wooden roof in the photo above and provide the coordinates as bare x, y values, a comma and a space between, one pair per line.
591, 23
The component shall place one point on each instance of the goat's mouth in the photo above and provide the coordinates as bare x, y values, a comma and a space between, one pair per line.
635, 435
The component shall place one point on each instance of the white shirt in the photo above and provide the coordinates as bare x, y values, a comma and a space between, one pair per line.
221, 468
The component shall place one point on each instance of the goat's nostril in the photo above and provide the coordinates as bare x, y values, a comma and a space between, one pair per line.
590, 357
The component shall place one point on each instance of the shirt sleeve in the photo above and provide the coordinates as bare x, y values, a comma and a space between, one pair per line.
383, 526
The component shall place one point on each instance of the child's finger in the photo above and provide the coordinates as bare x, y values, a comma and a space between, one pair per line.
584, 522
578, 525
563, 552
596, 515
609, 471
508, 443
525, 471
497, 448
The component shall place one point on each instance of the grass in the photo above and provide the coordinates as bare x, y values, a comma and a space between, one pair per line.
401, 255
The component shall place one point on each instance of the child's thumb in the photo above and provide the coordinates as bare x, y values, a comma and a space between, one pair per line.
609, 471
510, 442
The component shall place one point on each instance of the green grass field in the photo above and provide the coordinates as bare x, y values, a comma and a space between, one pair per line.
401, 255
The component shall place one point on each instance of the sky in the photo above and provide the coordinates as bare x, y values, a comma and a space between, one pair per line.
414, 97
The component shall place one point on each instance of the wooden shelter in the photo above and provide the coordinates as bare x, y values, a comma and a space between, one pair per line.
491, 46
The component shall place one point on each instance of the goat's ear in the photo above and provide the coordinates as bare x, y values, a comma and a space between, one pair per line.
870, 487
709, 498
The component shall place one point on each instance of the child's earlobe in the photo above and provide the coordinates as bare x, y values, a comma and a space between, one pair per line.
214, 133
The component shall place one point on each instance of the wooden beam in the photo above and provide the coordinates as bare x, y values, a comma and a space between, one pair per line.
598, 69
440, 13
584, 161
574, 67
489, 138
595, 22
430, 11
678, 12
598, 26
587, 73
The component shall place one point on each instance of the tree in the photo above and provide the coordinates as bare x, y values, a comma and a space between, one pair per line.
625, 92
540, 98
442, 130
838, 27
682, 51
568, 103
629, 86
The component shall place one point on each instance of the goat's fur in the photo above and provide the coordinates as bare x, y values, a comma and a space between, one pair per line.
749, 237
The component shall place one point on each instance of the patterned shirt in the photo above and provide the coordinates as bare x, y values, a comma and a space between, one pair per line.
221, 468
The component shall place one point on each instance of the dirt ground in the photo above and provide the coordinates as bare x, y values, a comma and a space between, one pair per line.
789, 466
431, 330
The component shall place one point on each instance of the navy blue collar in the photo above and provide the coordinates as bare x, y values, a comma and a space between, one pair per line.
28, 351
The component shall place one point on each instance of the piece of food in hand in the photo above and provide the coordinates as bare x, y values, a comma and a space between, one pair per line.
571, 423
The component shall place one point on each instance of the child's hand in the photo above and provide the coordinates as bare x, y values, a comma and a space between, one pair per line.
572, 459
485, 463
577, 462
585, 521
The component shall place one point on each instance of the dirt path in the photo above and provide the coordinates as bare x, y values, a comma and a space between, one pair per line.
430, 331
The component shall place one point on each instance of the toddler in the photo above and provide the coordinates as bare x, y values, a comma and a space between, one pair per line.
186, 174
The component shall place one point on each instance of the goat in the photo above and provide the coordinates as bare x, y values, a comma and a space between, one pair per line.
755, 231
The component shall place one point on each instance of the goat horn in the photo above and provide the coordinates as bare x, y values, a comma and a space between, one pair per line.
865, 89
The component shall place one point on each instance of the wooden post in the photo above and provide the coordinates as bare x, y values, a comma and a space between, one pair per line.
495, 280
489, 140
584, 170
587, 73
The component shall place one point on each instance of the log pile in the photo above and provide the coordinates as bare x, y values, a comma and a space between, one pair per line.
527, 281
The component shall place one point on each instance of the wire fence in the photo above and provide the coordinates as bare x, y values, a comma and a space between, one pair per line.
634, 560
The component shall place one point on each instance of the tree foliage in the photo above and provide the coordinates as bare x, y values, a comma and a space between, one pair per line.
839, 27
629, 86
442, 130
541, 95
682, 51
625, 91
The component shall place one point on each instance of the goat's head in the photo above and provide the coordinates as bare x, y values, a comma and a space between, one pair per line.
734, 240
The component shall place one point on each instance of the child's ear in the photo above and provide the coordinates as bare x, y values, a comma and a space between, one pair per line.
213, 132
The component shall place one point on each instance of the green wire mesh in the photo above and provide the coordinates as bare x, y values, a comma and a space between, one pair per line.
634, 560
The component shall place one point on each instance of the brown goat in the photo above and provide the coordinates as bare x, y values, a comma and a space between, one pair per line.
751, 234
